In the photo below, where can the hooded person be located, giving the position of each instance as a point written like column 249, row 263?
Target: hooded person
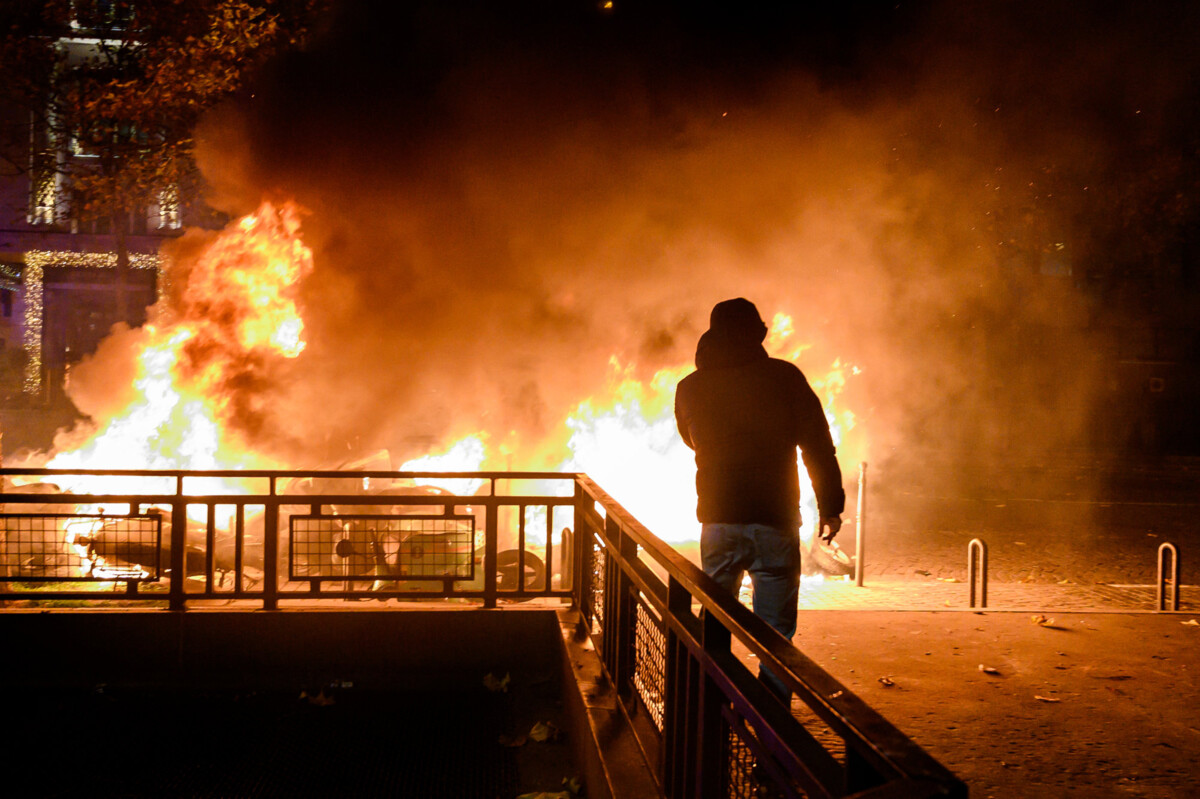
column 745, row 414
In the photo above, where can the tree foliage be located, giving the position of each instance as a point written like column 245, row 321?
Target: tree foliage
column 110, row 91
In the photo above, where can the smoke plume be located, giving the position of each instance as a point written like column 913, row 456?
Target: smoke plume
column 504, row 197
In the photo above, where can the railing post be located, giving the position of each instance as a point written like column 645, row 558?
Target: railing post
column 210, row 538
column 626, row 614
column 176, row 598
column 491, row 534
column 1163, row 550
column 271, row 549
column 619, row 608
column 711, row 735
column 678, row 702
column 860, row 526
column 977, row 550
column 581, row 554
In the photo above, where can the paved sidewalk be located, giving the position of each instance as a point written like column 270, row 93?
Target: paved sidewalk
column 933, row 594
column 1079, row 705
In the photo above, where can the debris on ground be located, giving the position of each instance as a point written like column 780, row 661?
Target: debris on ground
column 544, row 731
column 989, row 669
column 497, row 685
column 1045, row 698
column 320, row 699
column 886, row 682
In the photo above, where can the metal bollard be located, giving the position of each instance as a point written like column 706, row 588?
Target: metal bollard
column 1162, row 577
column 977, row 551
column 860, row 525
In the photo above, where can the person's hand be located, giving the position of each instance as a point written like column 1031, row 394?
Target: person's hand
column 829, row 527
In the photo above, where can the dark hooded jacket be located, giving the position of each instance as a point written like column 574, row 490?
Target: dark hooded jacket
column 745, row 414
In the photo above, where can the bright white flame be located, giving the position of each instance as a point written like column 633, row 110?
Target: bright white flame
column 465, row 455
column 628, row 443
column 631, row 447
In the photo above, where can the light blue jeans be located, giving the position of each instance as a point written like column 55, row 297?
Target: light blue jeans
column 772, row 557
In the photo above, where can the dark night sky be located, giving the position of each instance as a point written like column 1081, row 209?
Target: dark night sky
column 1053, row 61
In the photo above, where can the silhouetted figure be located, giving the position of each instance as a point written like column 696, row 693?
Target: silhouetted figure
column 745, row 414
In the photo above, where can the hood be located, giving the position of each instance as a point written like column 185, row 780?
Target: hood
column 738, row 319
column 717, row 350
column 734, row 337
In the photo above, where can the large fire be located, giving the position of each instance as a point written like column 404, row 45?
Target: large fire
column 627, row 441
column 233, row 308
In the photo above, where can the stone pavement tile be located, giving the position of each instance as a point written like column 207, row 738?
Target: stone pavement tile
column 1092, row 705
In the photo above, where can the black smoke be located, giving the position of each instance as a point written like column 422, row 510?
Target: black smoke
column 503, row 196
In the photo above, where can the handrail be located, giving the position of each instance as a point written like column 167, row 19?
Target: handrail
column 886, row 751
column 284, row 473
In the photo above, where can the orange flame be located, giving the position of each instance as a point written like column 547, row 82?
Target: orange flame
column 235, row 305
column 629, row 444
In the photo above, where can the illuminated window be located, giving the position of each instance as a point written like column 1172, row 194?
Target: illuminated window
column 101, row 15
column 168, row 208
column 42, row 199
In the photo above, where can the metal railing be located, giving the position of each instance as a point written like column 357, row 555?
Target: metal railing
column 669, row 638
column 272, row 536
column 672, row 643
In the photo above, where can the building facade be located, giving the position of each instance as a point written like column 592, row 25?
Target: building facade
column 60, row 289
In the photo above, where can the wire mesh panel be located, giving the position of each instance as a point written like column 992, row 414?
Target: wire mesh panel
column 650, row 657
column 740, row 782
column 71, row 547
column 746, row 771
column 598, row 563
column 370, row 547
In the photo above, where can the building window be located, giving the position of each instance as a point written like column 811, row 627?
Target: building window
column 42, row 199
column 168, row 208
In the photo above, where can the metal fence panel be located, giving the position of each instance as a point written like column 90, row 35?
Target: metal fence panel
column 370, row 547
column 80, row 547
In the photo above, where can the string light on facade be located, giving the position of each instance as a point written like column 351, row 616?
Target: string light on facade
column 33, row 326
column 36, row 263
column 89, row 260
